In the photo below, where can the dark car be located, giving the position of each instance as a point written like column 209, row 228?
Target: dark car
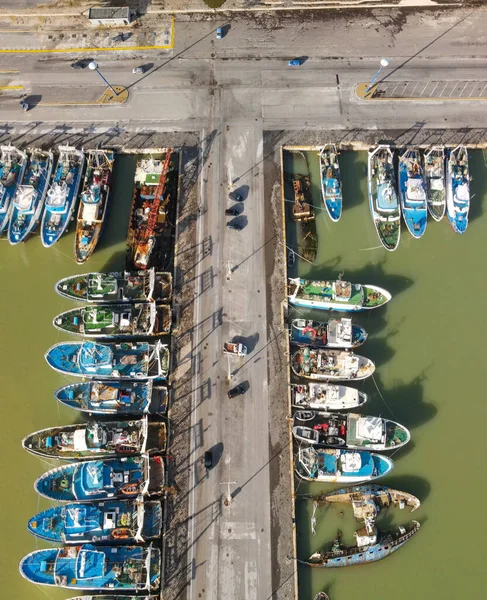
column 236, row 391
column 234, row 225
column 232, row 212
column 24, row 105
column 80, row 64
column 208, row 459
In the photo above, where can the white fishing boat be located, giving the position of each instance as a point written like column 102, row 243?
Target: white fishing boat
column 326, row 396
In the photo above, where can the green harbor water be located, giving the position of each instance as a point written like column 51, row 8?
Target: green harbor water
column 428, row 344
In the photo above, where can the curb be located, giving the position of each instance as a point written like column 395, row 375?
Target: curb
column 360, row 93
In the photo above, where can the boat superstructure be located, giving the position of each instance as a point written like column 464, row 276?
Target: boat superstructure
column 125, row 286
column 143, row 319
column 336, row 333
column 94, row 201
column 458, row 189
column 13, row 163
column 62, row 194
column 384, row 205
column 115, row 397
column 412, row 193
column 326, row 396
column 330, row 365
column 336, row 295
column 434, row 175
column 331, row 183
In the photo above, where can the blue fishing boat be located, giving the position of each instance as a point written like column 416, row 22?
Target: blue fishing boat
column 331, row 183
column 335, row 333
column 97, row 440
column 12, row 166
column 458, row 189
column 94, row 201
column 137, row 360
column 88, row 567
column 412, row 193
column 118, row 521
column 29, row 199
column 341, row 466
column 62, row 195
column 115, row 398
column 103, row 479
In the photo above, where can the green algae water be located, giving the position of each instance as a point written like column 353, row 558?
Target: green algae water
column 28, row 304
column 428, row 344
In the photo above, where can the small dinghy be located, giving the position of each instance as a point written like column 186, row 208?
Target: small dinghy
column 331, row 182
column 103, row 479
column 12, row 166
column 115, row 398
column 458, row 189
column 434, row 173
column 412, row 192
column 336, row 333
column 120, row 521
column 341, row 466
column 97, row 440
column 330, row 365
column 326, row 396
column 143, row 319
column 353, row 431
column 136, row 360
column 89, row 567
column 126, row 286
column 28, row 201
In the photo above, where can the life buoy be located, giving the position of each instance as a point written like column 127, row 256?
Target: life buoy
column 129, row 489
column 121, row 533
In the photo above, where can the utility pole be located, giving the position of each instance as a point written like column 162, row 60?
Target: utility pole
column 93, row 66
column 228, row 499
column 383, row 64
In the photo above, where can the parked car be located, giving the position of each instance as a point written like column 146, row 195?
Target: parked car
column 236, row 391
column 138, row 70
column 80, row 64
column 24, row 105
column 295, row 62
column 234, row 225
column 232, row 211
column 219, row 33
column 236, row 197
column 208, row 460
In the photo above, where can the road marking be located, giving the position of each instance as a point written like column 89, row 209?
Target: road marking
column 11, row 87
column 10, row 71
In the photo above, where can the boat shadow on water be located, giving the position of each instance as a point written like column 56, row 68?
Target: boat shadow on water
column 478, row 186
column 353, row 166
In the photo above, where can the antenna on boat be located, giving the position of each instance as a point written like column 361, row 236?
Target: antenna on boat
column 340, row 275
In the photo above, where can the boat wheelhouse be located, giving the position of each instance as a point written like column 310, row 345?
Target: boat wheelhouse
column 458, row 189
column 331, row 183
column 353, row 431
column 12, row 167
column 126, row 286
column 97, row 440
column 384, row 205
column 111, row 521
column 115, row 398
column 434, row 175
column 330, row 365
column 326, row 396
column 336, row 295
column 127, row 360
column 412, row 192
column 62, row 194
column 103, row 479
column 28, row 201
column 341, row 466
column 89, row 567
column 336, row 333
column 94, row 201
column 143, row 319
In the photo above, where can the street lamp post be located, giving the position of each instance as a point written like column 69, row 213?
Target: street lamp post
column 383, row 64
column 94, row 67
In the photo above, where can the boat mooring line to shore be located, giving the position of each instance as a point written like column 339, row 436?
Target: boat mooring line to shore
column 382, row 398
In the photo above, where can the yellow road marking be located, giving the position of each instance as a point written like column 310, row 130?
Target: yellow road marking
column 12, row 71
column 367, row 97
column 11, row 87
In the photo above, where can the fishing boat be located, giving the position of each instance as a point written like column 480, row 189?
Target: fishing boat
column 371, row 545
column 336, row 295
column 28, row 201
column 103, row 479
column 118, row 521
column 148, row 220
column 458, row 189
column 336, row 333
column 126, row 286
column 434, row 174
column 331, row 183
column 97, row 440
column 384, row 206
column 330, row 365
column 89, row 567
column 370, row 499
column 143, row 319
column 62, row 195
column 115, row 398
column 355, row 432
column 341, row 466
column 94, row 201
column 302, row 209
column 412, row 194
column 12, row 167
column 127, row 360
column 326, row 396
